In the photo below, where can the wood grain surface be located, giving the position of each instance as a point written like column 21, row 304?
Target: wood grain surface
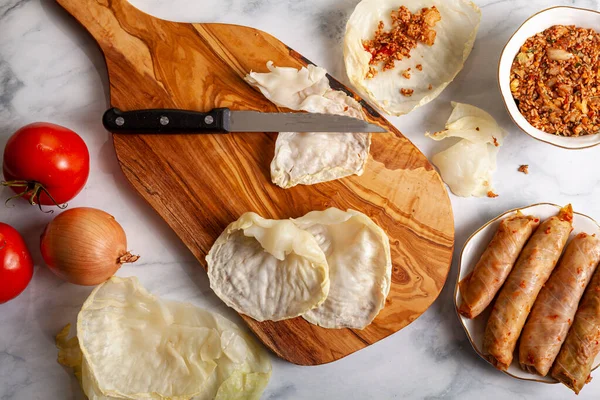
column 201, row 183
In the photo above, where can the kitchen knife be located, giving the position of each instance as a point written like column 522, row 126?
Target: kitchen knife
column 224, row 120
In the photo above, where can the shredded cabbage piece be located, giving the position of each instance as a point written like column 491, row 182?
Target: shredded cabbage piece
column 69, row 353
column 467, row 166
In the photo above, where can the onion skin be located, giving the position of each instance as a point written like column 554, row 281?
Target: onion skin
column 85, row 246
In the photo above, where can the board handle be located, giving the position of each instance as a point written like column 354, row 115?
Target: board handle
column 166, row 121
column 102, row 18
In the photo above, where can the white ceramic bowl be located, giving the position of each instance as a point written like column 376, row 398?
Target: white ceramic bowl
column 535, row 24
column 474, row 247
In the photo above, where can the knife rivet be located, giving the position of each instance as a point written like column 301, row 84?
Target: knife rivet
column 120, row 121
column 208, row 120
column 164, row 120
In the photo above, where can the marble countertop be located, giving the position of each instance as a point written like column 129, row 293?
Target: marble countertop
column 50, row 70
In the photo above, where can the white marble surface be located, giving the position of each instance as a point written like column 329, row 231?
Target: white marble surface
column 50, row 70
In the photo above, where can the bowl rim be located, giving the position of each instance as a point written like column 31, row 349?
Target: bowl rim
column 504, row 100
column 456, row 285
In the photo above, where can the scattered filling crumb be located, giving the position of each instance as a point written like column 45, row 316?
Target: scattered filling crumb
column 406, row 73
column 372, row 72
column 524, row 169
column 491, row 194
column 407, row 31
column 555, row 80
column 407, row 92
column 419, row 67
column 430, row 87
column 495, row 141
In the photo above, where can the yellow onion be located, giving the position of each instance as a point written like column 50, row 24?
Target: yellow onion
column 558, row 54
column 85, row 246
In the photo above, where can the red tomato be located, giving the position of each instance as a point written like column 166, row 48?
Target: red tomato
column 44, row 157
column 16, row 266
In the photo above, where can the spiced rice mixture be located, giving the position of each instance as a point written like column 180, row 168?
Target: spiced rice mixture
column 555, row 80
column 407, row 31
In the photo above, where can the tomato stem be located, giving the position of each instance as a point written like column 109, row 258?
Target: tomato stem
column 33, row 189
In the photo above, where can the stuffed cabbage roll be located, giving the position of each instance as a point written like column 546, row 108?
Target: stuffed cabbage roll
column 531, row 271
column 481, row 285
column 554, row 309
column 576, row 358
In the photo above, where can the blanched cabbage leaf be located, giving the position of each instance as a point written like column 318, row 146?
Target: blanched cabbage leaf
column 268, row 269
column 136, row 346
column 290, row 87
column 360, row 267
column 305, row 158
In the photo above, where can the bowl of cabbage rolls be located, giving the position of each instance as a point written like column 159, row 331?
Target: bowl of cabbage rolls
column 528, row 294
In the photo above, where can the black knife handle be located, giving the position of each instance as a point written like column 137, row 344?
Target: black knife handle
column 166, row 121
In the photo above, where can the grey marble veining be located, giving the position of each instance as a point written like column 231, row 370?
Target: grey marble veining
column 51, row 70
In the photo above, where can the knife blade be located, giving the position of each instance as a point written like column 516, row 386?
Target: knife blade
column 224, row 120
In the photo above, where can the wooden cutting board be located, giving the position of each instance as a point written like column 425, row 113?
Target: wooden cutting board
column 201, row 183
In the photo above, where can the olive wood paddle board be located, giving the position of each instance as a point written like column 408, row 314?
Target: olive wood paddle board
column 201, row 183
